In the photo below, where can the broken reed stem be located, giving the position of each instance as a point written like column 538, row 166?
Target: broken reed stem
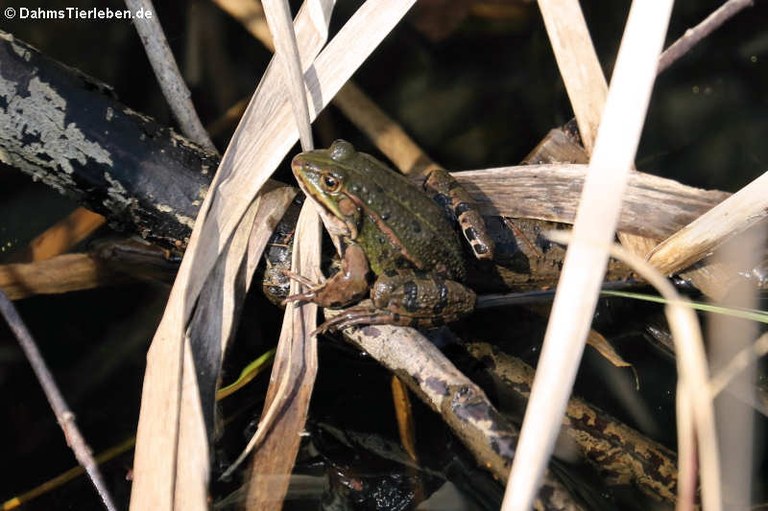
column 64, row 415
column 711, row 230
column 695, row 35
column 60, row 274
column 64, row 234
column 168, row 75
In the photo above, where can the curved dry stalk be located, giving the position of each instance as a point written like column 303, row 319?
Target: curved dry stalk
column 696, row 417
column 64, row 415
column 168, row 75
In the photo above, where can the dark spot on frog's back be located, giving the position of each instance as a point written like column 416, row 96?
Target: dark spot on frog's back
column 411, row 296
column 442, row 296
column 416, row 226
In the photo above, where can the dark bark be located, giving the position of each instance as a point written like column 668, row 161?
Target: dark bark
column 68, row 130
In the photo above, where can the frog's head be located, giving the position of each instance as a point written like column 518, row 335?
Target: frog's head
column 324, row 175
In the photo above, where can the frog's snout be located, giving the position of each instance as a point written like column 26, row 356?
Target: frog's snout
column 298, row 163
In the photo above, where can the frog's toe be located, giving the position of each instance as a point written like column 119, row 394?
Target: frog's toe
column 307, row 296
column 356, row 316
column 350, row 317
column 300, row 279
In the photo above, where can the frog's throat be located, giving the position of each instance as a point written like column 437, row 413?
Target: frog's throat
column 336, row 226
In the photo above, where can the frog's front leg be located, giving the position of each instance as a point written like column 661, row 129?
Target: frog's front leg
column 348, row 285
column 409, row 299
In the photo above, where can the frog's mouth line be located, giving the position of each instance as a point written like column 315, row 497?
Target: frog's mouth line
column 335, row 225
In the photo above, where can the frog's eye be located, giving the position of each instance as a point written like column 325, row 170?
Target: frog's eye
column 330, row 182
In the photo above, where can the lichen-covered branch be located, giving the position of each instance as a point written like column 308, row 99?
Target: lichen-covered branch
column 65, row 129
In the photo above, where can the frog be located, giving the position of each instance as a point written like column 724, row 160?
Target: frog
column 396, row 245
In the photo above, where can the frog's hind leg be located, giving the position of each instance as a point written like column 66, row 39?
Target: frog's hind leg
column 408, row 298
column 423, row 297
column 446, row 191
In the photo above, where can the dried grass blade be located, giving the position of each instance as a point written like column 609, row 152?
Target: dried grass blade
column 698, row 239
column 727, row 337
column 278, row 15
column 281, row 413
column 158, row 445
column 294, row 374
column 596, row 220
column 263, row 138
column 578, row 64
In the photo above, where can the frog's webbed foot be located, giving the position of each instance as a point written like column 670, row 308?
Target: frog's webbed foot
column 346, row 286
column 301, row 279
column 306, row 296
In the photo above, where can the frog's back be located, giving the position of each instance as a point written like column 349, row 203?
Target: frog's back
column 396, row 208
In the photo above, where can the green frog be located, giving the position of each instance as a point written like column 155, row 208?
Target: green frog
column 395, row 243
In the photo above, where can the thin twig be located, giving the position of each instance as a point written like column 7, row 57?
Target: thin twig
column 64, row 415
column 168, row 75
column 694, row 36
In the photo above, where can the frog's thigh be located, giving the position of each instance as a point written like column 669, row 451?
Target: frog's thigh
column 422, row 296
